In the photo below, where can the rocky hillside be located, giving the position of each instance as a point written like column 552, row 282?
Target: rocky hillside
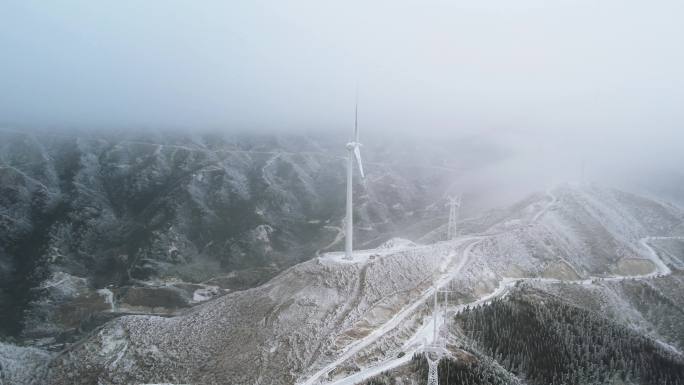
column 94, row 225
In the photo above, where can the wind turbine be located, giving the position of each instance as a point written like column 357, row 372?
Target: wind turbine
column 353, row 148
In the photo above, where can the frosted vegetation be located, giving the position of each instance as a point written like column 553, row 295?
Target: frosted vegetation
column 208, row 259
column 325, row 320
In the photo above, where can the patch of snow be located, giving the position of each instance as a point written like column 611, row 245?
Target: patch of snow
column 397, row 243
column 65, row 284
column 109, row 297
column 204, row 294
column 262, row 233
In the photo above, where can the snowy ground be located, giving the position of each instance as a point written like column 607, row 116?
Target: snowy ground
column 362, row 256
column 399, row 317
column 332, row 320
column 423, row 336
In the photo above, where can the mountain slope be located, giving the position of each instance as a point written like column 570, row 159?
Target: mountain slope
column 328, row 319
column 145, row 212
column 551, row 333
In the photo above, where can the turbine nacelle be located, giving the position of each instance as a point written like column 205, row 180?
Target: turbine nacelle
column 355, row 148
column 351, row 145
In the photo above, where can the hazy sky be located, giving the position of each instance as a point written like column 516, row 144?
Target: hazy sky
column 545, row 75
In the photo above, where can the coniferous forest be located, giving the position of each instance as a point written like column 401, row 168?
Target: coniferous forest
column 534, row 338
column 546, row 341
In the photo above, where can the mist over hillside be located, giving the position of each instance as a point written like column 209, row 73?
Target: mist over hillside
column 122, row 209
column 100, row 225
column 341, row 193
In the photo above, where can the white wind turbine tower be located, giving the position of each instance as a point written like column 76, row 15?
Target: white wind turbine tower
column 353, row 148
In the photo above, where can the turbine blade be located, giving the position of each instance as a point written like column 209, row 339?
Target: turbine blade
column 356, row 121
column 357, row 155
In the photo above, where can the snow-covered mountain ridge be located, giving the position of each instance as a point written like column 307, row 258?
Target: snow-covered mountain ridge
column 153, row 222
column 326, row 320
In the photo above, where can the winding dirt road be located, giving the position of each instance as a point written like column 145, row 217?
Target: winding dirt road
column 411, row 347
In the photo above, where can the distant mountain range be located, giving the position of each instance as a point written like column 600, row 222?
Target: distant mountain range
column 146, row 215
column 207, row 259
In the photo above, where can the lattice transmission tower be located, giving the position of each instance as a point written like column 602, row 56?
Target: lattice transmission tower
column 437, row 347
column 454, row 204
column 433, row 378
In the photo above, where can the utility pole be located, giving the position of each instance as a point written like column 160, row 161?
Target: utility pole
column 454, row 204
column 433, row 373
column 434, row 318
column 437, row 349
column 445, row 324
column 433, row 364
